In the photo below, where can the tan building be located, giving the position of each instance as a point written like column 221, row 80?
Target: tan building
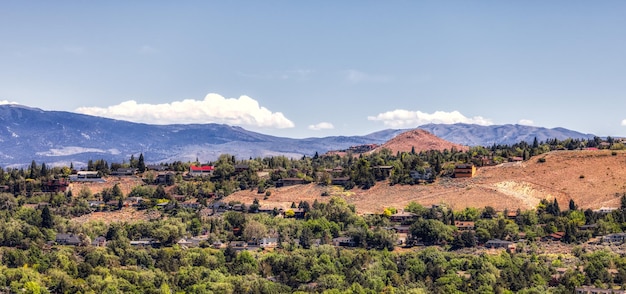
column 464, row 171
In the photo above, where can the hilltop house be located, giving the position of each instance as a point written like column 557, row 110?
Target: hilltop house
column 55, row 186
column 464, row 225
column 403, row 217
column 497, row 243
column 86, row 176
column 340, row 181
column 290, row 182
column 201, row 171
column 67, row 239
column 464, row 171
column 124, row 171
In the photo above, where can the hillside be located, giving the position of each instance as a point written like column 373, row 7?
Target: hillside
column 419, row 140
column 591, row 178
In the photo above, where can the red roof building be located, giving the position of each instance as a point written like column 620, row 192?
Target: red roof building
column 204, row 170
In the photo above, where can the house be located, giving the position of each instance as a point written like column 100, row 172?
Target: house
column 605, row 210
column 555, row 236
column 464, row 225
column 425, row 175
column 218, row 244
column 133, row 201
column 403, row 217
column 241, row 167
column 268, row 242
column 497, row 243
column 190, row 204
column 124, row 171
column 145, row 242
column 99, row 241
column 511, row 214
column 265, row 209
column 594, row 290
column 614, row 238
column 165, row 179
column 67, row 239
column 157, row 167
column 201, row 171
column 464, row 170
column 192, row 242
column 95, row 205
column 383, row 169
column 290, row 182
column 299, row 213
column 86, row 176
column 55, row 186
column 340, row 181
column 238, row 245
column 402, row 229
column 344, row 242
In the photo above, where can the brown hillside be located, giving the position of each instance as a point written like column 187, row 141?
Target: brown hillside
column 590, row 178
column 421, row 140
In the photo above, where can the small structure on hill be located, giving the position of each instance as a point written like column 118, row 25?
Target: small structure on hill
column 290, row 182
column 464, row 170
column 201, row 171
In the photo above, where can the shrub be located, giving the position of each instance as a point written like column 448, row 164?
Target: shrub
column 541, row 160
column 614, row 153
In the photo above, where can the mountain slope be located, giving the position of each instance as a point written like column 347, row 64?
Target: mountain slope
column 476, row 135
column 57, row 137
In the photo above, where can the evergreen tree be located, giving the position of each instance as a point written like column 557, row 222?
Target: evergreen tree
column 44, row 170
column 46, row 218
column 33, row 171
column 140, row 164
column 117, row 192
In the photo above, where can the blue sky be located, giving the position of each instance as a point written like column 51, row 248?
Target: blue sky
column 321, row 68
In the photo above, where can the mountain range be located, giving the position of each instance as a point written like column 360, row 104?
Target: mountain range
column 59, row 137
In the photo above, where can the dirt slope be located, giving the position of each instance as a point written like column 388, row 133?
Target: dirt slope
column 591, row 178
column 421, row 140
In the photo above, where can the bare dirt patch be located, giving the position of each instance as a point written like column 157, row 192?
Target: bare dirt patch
column 126, row 214
column 125, row 183
column 591, row 178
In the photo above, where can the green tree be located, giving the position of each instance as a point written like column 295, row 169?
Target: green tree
column 46, row 218
column 141, row 165
column 116, row 191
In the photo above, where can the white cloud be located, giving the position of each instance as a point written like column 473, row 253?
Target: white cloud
column 243, row 111
column 322, row 126
column 624, row 122
column 355, row 76
column 400, row 118
column 526, row 122
column 3, row 102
